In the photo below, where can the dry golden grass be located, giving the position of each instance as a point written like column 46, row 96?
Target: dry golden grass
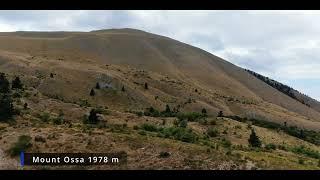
column 177, row 74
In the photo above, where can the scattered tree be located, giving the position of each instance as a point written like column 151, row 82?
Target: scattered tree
column 51, row 75
column 146, row 86
column 183, row 123
column 92, row 93
column 285, row 124
column 16, row 83
column 4, row 84
column 196, row 90
column 93, row 118
column 25, row 106
column 122, row 89
column 204, row 111
column 254, row 140
column 6, row 110
column 98, row 85
column 220, row 114
column 168, row 110
column 301, row 134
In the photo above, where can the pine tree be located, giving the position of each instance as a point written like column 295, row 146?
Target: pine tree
column 168, row 110
column 93, row 118
column 4, row 84
column 92, row 93
column 204, row 111
column 25, row 106
column 97, row 85
column 6, row 110
column 146, row 86
column 16, row 83
column 254, row 140
column 301, row 134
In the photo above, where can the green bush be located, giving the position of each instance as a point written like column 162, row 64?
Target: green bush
column 23, row 143
column 119, row 128
column 271, row 146
column 191, row 117
column 164, row 154
column 149, row 127
column 301, row 161
column 212, row 132
column 84, row 103
column 203, row 121
column 59, row 120
column 183, row 123
column 16, row 95
column 226, row 143
column 143, row 133
column 152, row 112
column 282, row 147
column 85, row 119
column 306, row 151
column 213, row 122
column 178, row 133
column 44, row 117
column 139, row 113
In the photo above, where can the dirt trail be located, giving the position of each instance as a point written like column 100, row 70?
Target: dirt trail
column 7, row 163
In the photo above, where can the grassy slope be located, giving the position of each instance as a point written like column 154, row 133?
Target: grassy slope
column 80, row 60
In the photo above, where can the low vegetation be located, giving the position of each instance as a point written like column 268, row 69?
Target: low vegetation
column 23, row 143
column 177, row 133
column 306, row 151
column 307, row 135
column 211, row 132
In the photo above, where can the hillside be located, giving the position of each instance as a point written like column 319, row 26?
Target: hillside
column 289, row 91
column 135, row 70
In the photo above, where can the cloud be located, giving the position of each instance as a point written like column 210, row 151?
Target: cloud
column 284, row 45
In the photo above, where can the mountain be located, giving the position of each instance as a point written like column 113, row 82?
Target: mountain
column 59, row 69
column 217, row 78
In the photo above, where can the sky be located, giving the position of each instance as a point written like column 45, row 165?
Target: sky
column 283, row 45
